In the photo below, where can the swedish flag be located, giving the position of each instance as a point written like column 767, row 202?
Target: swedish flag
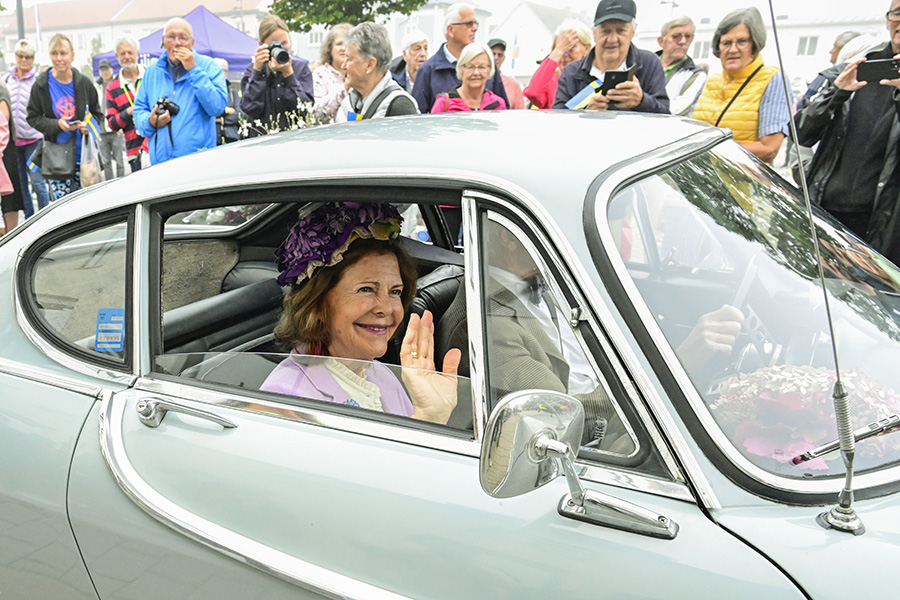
column 92, row 127
column 30, row 164
column 581, row 99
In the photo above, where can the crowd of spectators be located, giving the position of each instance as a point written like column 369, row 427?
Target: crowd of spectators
column 183, row 102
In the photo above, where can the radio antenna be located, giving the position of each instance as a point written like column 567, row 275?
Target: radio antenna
column 841, row 517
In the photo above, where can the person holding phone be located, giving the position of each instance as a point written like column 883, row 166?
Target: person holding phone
column 854, row 118
column 642, row 86
column 60, row 100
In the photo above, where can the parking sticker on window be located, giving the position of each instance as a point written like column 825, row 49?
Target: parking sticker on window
column 110, row 330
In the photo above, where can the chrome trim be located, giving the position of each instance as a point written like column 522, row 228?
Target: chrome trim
column 140, row 282
column 643, row 387
column 406, row 177
column 676, row 490
column 556, row 290
column 312, row 416
column 609, row 511
column 151, row 411
column 645, row 167
column 49, row 349
column 241, row 548
column 472, row 281
column 39, row 375
column 607, row 474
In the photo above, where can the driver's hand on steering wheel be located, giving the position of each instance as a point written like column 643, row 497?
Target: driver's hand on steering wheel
column 715, row 333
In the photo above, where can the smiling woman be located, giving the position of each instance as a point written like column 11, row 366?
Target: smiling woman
column 351, row 285
column 746, row 96
column 474, row 67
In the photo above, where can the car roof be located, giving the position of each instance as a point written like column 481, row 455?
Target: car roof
column 544, row 152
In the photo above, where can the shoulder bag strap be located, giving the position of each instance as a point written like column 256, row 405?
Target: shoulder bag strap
column 378, row 100
column 733, row 98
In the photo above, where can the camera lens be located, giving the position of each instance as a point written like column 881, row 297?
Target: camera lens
column 278, row 53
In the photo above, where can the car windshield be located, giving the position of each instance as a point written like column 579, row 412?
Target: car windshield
column 718, row 231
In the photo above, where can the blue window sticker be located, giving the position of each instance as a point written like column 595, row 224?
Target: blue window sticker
column 110, row 330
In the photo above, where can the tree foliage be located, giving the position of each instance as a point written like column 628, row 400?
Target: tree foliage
column 301, row 15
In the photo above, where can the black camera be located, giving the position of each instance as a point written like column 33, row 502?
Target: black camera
column 164, row 104
column 279, row 53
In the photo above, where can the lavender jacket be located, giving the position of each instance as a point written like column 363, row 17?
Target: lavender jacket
column 20, row 92
column 316, row 383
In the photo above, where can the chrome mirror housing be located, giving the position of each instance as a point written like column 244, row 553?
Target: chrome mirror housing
column 530, row 437
column 524, row 434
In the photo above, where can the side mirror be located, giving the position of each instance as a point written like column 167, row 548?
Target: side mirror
column 530, row 438
column 524, row 433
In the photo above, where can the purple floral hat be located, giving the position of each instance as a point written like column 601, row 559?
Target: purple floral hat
column 320, row 238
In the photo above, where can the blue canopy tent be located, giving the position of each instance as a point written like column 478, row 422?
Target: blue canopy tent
column 212, row 37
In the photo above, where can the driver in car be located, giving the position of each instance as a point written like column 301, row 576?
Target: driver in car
column 533, row 346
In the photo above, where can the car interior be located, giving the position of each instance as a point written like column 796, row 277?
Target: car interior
column 218, row 294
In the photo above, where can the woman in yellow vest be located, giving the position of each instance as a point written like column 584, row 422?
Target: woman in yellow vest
column 746, row 96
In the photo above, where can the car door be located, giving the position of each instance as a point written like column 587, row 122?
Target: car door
column 217, row 489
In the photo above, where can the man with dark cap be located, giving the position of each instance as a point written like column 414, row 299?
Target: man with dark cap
column 512, row 87
column 613, row 51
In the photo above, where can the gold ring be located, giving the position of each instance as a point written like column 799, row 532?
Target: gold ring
column 414, row 354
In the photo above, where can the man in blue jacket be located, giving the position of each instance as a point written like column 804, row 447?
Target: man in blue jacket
column 194, row 83
column 438, row 74
column 613, row 51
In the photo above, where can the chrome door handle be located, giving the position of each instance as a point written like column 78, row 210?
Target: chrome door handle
column 152, row 410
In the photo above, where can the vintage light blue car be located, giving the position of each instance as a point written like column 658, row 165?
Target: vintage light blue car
column 139, row 458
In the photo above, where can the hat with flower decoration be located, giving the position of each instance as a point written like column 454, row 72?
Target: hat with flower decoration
column 320, row 238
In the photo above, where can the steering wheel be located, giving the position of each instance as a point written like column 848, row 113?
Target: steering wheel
column 755, row 342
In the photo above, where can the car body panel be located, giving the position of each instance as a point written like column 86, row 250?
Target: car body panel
column 334, row 504
column 131, row 555
column 39, row 556
column 803, row 547
column 288, row 486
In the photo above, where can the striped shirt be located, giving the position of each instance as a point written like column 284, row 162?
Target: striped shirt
column 118, row 99
column 774, row 111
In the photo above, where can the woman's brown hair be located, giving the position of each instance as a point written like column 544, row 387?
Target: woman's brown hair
column 304, row 317
column 328, row 44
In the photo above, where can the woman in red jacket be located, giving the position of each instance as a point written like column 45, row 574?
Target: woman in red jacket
column 572, row 41
column 474, row 67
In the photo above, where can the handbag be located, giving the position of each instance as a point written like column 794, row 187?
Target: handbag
column 58, row 160
column 90, row 161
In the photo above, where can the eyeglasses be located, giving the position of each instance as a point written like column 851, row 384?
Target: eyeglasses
column 181, row 38
column 23, row 57
column 742, row 44
column 467, row 24
column 483, row 68
column 893, row 15
column 682, row 36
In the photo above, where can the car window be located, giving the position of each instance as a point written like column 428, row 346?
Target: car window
column 741, row 263
column 219, row 305
column 78, row 290
column 223, row 216
column 530, row 343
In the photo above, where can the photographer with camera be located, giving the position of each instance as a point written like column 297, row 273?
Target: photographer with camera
column 275, row 82
column 179, row 98
column 855, row 118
